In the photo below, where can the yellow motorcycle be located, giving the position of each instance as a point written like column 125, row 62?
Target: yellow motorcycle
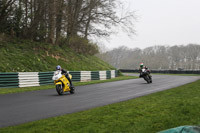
column 62, row 83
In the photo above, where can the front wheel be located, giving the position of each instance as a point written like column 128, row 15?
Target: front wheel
column 147, row 79
column 151, row 80
column 59, row 89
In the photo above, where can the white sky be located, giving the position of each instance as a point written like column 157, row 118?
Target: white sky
column 161, row 22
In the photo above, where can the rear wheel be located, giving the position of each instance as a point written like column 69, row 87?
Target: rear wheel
column 72, row 90
column 59, row 89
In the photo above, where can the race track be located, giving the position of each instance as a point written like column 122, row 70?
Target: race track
column 30, row 106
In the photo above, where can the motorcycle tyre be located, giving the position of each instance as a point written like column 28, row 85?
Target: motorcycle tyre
column 147, row 79
column 150, row 79
column 59, row 89
column 72, row 90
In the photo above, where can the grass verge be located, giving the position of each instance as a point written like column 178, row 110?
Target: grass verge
column 147, row 114
column 24, row 89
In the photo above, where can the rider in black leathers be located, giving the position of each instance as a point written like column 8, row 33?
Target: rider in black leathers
column 145, row 67
column 66, row 74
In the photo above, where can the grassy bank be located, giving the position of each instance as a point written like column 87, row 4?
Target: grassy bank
column 18, row 55
column 44, row 87
column 147, row 114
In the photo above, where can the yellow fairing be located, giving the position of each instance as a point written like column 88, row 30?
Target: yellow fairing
column 58, row 83
column 63, row 80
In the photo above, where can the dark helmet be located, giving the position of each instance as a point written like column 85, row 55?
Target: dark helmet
column 58, row 67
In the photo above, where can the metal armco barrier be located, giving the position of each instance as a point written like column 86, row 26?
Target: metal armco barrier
column 164, row 71
column 45, row 78
column 9, row 80
column 27, row 79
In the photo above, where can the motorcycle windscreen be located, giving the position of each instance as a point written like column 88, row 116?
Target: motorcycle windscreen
column 143, row 70
column 57, row 75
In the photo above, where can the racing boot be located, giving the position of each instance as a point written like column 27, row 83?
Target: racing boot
column 71, row 85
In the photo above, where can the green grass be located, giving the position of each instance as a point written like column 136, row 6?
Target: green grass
column 18, row 55
column 147, row 114
column 44, row 87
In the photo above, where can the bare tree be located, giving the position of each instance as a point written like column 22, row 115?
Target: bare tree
column 59, row 21
column 52, row 21
column 156, row 57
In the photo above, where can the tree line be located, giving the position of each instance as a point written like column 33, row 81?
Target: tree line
column 156, row 57
column 59, row 21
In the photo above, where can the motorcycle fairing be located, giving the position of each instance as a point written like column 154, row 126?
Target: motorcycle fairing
column 63, row 81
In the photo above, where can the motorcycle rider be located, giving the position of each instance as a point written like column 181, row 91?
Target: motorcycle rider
column 58, row 67
column 145, row 67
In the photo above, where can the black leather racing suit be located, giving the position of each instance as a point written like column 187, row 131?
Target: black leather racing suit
column 148, row 71
column 67, row 76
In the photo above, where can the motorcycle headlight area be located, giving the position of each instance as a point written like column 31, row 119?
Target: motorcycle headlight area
column 56, row 73
column 55, row 77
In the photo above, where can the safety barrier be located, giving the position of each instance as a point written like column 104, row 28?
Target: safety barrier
column 164, row 71
column 27, row 79
column 9, row 80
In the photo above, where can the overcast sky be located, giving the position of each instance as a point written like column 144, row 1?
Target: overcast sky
column 161, row 22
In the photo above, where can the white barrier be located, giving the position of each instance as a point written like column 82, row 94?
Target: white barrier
column 85, row 76
column 27, row 79
column 102, row 75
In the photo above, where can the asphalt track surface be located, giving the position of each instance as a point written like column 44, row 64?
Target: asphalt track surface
column 24, row 107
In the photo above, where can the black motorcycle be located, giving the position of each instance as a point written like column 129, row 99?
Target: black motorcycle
column 145, row 75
